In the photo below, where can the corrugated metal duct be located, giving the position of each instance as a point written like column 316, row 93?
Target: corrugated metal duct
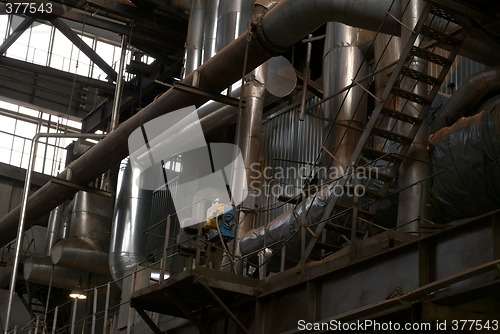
column 282, row 27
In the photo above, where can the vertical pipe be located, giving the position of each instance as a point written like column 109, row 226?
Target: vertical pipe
column 94, row 311
column 73, row 315
column 248, row 137
column 387, row 49
column 194, row 39
column 53, row 228
column 411, row 207
column 210, row 29
column 343, row 61
column 115, row 114
column 306, row 79
column 54, row 321
column 106, row 309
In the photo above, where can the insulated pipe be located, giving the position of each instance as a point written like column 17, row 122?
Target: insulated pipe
column 39, row 269
column 54, row 228
column 466, row 98
column 130, row 218
column 277, row 31
column 248, row 137
column 210, row 29
column 343, row 61
column 194, row 39
column 232, row 21
column 86, row 248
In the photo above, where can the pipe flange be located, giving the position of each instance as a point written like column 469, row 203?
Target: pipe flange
column 267, row 4
column 263, row 41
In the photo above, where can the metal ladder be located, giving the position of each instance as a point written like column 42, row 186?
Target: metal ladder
column 424, row 46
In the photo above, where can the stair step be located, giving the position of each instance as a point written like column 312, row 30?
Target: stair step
column 391, row 136
column 369, row 152
column 432, row 57
column 442, row 13
column 423, row 100
column 400, row 116
column 341, row 229
column 327, row 247
column 440, row 37
column 430, row 80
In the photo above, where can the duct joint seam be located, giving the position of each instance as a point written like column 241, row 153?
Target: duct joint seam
column 263, row 41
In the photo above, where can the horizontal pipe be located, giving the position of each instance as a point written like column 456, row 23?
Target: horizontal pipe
column 466, row 98
column 82, row 254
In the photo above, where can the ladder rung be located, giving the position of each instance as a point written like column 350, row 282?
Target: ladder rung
column 391, row 136
column 439, row 36
column 376, row 154
column 409, row 72
column 410, row 96
column 400, row 116
column 382, row 177
column 432, row 57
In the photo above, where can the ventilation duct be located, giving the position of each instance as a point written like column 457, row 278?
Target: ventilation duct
column 86, row 248
column 470, row 152
column 194, row 39
column 39, row 269
column 130, row 218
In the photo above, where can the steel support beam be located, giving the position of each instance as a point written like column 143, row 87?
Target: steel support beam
column 224, row 306
column 148, row 321
column 16, row 34
column 87, row 50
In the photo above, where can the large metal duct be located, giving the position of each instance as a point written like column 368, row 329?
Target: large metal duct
column 194, row 39
column 130, row 219
column 232, row 21
column 283, row 26
column 40, row 269
column 209, row 37
column 469, row 150
column 342, row 62
column 86, row 248
column 471, row 93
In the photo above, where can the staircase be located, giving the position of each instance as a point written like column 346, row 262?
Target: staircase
column 427, row 44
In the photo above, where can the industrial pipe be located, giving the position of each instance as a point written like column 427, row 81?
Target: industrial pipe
column 465, row 100
column 86, row 248
column 194, row 39
column 130, row 218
